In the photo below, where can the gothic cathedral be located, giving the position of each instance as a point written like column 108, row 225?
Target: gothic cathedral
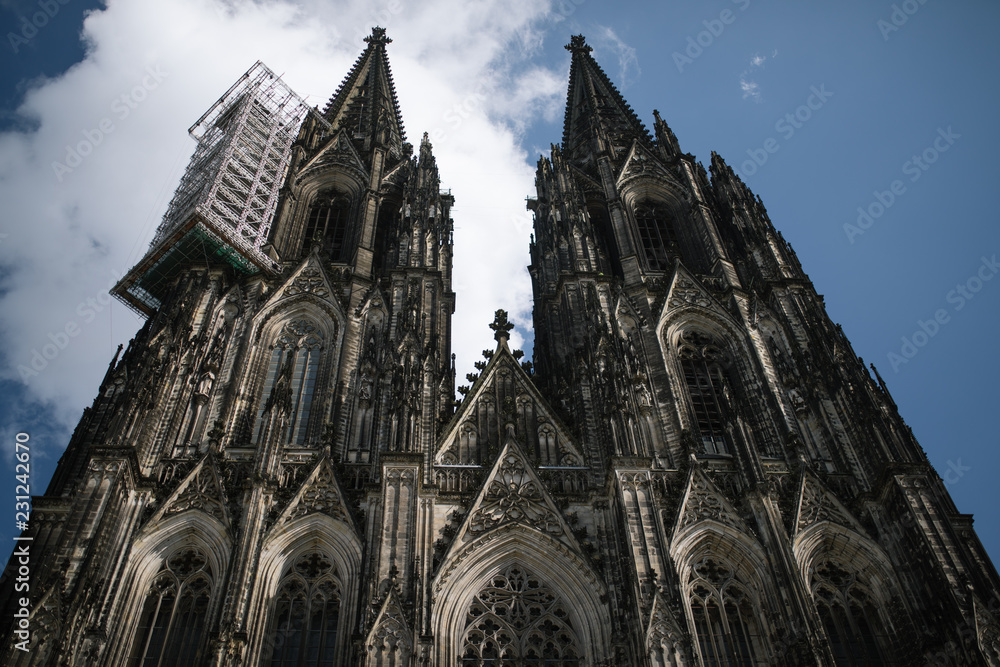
column 695, row 469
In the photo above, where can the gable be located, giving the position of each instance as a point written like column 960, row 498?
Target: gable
column 642, row 165
column 201, row 490
column 390, row 631
column 703, row 501
column 686, row 291
column 513, row 495
column 320, row 492
column 339, row 153
column 817, row 503
column 505, row 394
column 308, row 282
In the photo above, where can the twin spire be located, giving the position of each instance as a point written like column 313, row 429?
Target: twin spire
column 365, row 104
column 597, row 116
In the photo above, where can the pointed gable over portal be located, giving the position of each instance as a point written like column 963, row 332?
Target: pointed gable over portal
column 200, row 490
column 320, row 492
column 817, row 503
column 513, row 494
column 703, row 501
column 340, row 153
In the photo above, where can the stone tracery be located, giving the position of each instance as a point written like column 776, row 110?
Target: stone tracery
column 514, row 496
column 517, row 620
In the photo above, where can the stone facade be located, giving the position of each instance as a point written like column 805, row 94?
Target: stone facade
column 696, row 469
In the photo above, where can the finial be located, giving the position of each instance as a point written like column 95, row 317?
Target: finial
column 578, row 44
column 501, row 326
column 378, row 37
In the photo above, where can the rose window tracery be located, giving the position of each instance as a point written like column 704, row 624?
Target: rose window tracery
column 518, row 621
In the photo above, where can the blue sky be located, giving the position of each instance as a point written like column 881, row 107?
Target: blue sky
column 902, row 125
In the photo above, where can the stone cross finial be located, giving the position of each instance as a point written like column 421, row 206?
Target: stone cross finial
column 578, row 44
column 378, row 37
column 501, row 327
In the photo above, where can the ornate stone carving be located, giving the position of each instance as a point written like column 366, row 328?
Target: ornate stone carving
column 200, row 491
column 99, row 469
column 703, row 501
column 320, row 494
column 501, row 327
column 664, row 637
column 514, row 496
column 309, row 281
column 817, row 504
column 686, row 292
column 517, row 616
column 389, row 641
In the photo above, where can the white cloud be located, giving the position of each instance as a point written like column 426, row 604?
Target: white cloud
column 532, row 93
column 750, row 89
column 757, row 61
column 70, row 234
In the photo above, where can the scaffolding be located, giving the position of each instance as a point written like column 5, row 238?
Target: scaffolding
column 223, row 207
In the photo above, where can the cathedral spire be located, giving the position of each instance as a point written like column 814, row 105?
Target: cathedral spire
column 598, row 119
column 365, row 104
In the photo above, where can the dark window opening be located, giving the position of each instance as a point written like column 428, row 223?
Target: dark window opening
column 708, row 389
column 327, row 225
column 656, row 235
column 306, row 614
column 175, row 613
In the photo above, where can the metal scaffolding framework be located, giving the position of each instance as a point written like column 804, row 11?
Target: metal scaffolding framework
column 223, row 207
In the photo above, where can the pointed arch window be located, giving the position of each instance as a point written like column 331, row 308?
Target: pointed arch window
column 601, row 220
column 656, row 234
column 327, row 224
column 703, row 364
column 849, row 617
column 306, row 614
column 290, row 382
column 517, row 620
column 175, row 612
column 724, row 617
column 548, row 445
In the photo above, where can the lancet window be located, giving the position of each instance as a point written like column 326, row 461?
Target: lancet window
column 704, row 365
column 327, row 224
column 175, row 612
column 304, row 622
column 517, row 620
column 724, row 617
column 849, row 617
column 656, row 234
column 548, row 445
column 290, row 382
